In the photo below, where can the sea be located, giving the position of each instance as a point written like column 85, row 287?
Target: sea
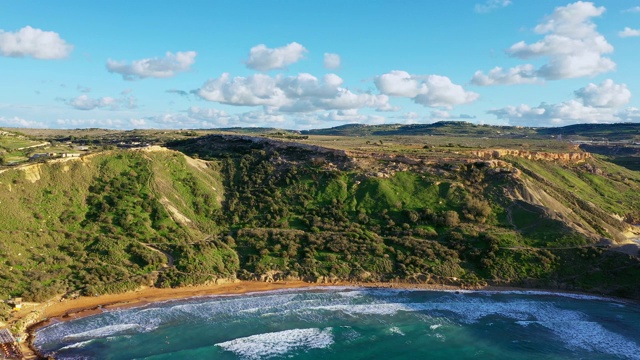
column 356, row 323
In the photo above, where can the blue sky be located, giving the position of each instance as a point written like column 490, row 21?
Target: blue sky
column 316, row 64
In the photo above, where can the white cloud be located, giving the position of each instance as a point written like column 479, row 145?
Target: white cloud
column 84, row 102
column 607, row 94
column 158, row 67
column 593, row 104
column 566, row 113
column 427, row 90
column 254, row 90
column 301, row 93
column 20, row 122
column 629, row 32
column 521, row 74
column 572, row 45
column 35, row 43
column 196, row 117
column 331, row 61
column 206, row 114
column 263, row 58
column 635, row 9
column 491, row 5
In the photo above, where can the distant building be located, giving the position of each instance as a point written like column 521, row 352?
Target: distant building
column 16, row 303
column 66, row 155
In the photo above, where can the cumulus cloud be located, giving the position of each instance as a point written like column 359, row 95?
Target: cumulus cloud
column 566, row 113
column 84, row 102
column 158, row 67
column 572, row 45
column 607, row 94
column 262, row 58
column 635, row 9
column 35, row 43
column 521, row 74
column 491, row 5
column 20, row 122
column 301, row 93
column 629, row 32
column 206, row 114
column 331, row 61
column 197, row 117
column 593, row 104
column 427, row 90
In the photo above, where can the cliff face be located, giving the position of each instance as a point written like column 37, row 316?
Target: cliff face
column 574, row 157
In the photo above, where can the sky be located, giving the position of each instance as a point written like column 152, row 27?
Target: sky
column 316, row 64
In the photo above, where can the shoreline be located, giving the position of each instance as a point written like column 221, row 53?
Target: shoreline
column 67, row 310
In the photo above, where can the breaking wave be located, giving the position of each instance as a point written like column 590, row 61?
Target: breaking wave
column 268, row 345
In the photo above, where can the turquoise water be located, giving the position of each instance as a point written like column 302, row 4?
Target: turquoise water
column 353, row 323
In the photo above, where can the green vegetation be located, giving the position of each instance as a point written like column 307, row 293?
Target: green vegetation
column 272, row 210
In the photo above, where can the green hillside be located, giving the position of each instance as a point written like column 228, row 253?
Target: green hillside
column 236, row 207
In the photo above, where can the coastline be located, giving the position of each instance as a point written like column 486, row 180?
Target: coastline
column 67, row 310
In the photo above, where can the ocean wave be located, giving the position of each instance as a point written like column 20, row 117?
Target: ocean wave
column 272, row 344
column 546, row 293
column 590, row 336
column 77, row 345
column 103, row 332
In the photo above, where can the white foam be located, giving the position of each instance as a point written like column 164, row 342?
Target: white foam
column 396, row 330
column 102, row 332
column 434, row 327
column 77, row 345
column 268, row 345
column 591, row 336
column 545, row 293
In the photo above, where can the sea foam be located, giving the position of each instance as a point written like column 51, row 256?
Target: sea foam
column 272, row 344
column 102, row 332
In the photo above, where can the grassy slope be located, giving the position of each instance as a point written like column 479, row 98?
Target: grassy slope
column 83, row 223
column 253, row 212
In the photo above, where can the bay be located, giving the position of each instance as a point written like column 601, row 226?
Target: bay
column 356, row 323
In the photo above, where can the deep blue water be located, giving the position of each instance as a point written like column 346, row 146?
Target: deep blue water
column 354, row 323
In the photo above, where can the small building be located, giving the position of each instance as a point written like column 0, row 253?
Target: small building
column 16, row 303
column 67, row 155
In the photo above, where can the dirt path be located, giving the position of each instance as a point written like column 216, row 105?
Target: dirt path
column 170, row 258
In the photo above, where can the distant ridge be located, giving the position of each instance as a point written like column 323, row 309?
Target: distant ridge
column 617, row 131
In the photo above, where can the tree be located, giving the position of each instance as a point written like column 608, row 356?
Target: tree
column 451, row 218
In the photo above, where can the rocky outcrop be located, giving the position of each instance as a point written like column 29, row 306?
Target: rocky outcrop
column 574, row 157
